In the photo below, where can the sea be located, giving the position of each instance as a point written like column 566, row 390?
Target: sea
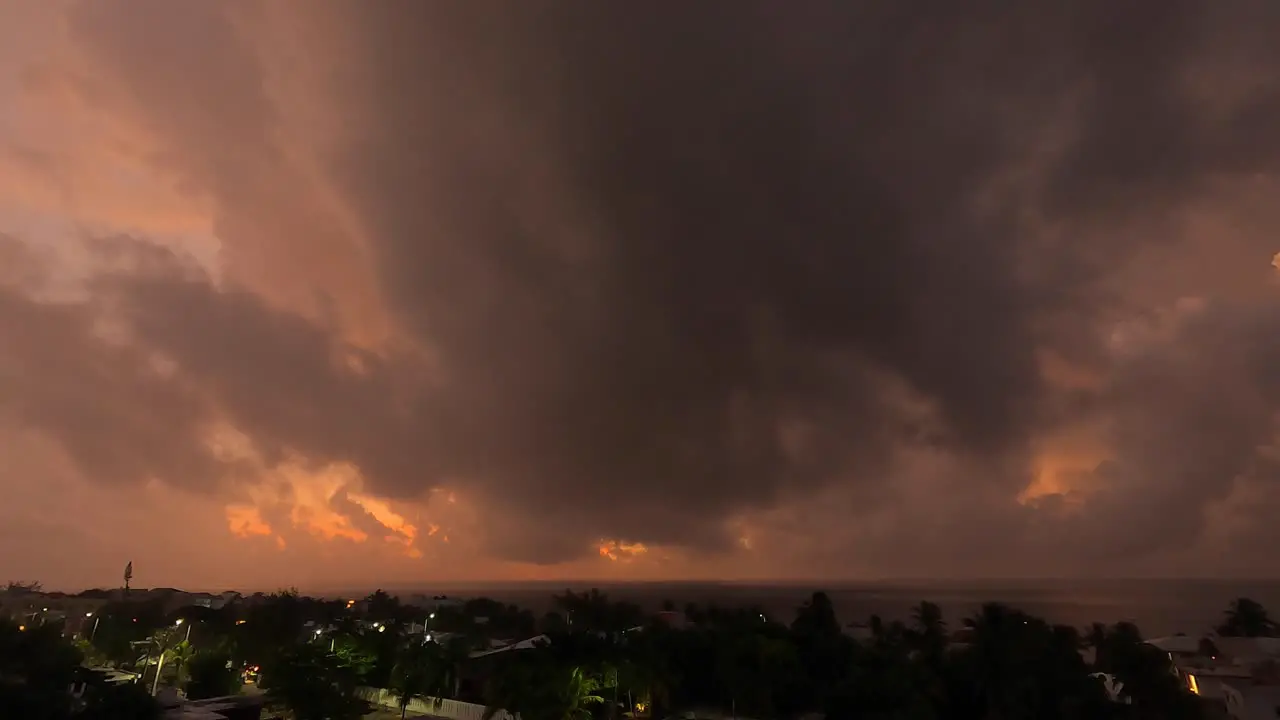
column 1157, row 607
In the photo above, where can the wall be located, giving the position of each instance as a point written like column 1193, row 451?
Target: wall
column 448, row 709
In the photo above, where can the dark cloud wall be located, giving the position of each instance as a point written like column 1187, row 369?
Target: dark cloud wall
column 672, row 267
column 752, row 206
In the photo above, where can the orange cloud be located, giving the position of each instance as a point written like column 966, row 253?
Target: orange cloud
column 402, row 532
column 621, row 550
column 1064, row 469
column 312, row 499
column 246, row 521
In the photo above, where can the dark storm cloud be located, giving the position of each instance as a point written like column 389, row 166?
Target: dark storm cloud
column 667, row 260
column 634, row 234
column 1186, row 417
column 287, row 383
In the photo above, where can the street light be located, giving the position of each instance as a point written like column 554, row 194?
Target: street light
column 155, row 685
column 93, row 632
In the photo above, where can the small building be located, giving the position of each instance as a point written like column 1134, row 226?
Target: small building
column 1247, row 701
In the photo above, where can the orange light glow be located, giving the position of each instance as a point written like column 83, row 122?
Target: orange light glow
column 1064, row 467
column 402, row 531
column 246, row 521
column 621, row 550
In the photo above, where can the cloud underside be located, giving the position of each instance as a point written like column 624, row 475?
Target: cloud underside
column 838, row 289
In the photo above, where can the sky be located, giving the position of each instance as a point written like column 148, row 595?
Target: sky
column 331, row 293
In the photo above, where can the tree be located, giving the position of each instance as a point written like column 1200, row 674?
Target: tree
column 18, row 587
column 275, row 623
column 1021, row 666
column 314, row 685
column 36, row 668
column 816, row 617
column 592, row 611
column 1247, row 618
column 645, row 670
column 929, row 631
column 180, row 656
column 1146, row 674
column 538, row 686
column 382, row 606
column 420, row 673
column 163, row 646
column 212, row 674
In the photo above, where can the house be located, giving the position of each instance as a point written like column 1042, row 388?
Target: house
column 497, row 646
column 1210, row 664
column 1248, row 701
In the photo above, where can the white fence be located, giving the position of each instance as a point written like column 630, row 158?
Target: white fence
column 437, row 707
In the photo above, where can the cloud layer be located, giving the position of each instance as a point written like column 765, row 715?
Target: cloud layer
column 841, row 290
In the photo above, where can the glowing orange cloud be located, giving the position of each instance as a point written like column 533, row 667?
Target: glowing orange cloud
column 402, row 532
column 246, row 521
column 1060, row 470
column 621, row 550
column 311, row 497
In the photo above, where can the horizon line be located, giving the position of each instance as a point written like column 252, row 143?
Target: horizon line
column 811, row 584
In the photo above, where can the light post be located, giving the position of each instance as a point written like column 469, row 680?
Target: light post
column 155, row 685
column 96, row 619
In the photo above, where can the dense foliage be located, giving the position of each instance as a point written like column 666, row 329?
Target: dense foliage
column 603, row 659
column 212, row 674
column 41, row 678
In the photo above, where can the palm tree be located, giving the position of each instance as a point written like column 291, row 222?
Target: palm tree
column 1247, row 618
column 999, row 660
column 929, row 628
column 161, row 646
column 579, row 694
column 537, row 687
column 180, row 655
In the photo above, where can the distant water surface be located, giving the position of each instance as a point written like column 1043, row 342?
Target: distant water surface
column 1159, row 607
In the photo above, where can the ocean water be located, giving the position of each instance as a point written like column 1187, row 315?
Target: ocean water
column 1158, row 607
